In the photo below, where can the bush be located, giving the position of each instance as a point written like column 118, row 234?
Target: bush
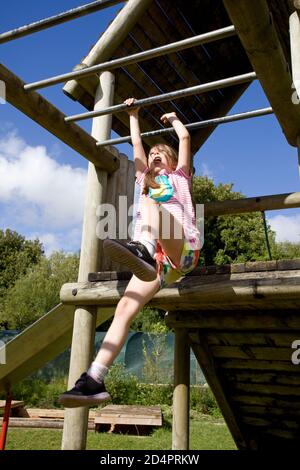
column 202, row 399
column 123, row 387
column 37, row 393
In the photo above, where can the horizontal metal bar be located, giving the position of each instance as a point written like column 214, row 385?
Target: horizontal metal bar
column 198, row 89
column 56, row 19
column 134, row 58
column 194, row 125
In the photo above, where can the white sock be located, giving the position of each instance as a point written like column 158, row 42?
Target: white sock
column 97, row 371
column 150, row 244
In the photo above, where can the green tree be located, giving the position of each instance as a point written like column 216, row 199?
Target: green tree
column 287, row 250
column 16, row 255
column 230, row 239
column 37, row 291
column 149, row 319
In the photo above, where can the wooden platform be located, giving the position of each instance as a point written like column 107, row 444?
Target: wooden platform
column 264, row 285
column 127, row 415
column 246, row 359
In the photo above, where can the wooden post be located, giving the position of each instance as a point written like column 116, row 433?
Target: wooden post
column 180, row 432
column 76, row 420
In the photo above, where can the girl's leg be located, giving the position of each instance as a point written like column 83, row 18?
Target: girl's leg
column 89, row 389
column 159, row 224
column 136, row 295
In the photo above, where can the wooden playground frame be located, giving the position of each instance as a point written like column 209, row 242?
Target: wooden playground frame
column 110, row 174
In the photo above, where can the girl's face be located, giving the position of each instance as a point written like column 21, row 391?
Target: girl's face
column 159, row 160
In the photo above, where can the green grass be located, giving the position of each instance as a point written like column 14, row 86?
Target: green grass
column 206, row 433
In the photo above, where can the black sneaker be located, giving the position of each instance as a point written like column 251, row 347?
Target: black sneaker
column 87, row 392
column 134, row 255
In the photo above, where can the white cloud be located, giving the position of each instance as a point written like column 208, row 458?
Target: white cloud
column 39, row 195
column 287, row 228
column 68, row 241
column 206, row 171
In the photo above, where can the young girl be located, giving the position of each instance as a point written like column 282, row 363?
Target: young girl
column 165, row 246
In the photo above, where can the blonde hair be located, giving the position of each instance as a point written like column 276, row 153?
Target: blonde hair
column 172, row 157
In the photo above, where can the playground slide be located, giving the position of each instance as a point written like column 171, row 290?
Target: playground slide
column 39, row 343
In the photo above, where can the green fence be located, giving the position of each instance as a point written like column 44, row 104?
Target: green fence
column 148, row 356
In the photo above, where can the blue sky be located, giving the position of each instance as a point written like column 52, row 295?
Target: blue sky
column 42, row 181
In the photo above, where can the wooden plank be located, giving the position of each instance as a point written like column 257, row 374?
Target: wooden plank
column 252, row 352
column 250, row 410
column 258, row 365
column 251, row 290
column 206, row 361
column 264, row 378
column 252, row 338
column 129, row 420
column 129, row 410
column 284, row 434
column 257, row 266
column 267, row 400
column 206, row 63
column 288, row 264
column 269, row 422
column 128, row 414
column 110, row 276
column 239, row 320
column 53, row 413
column 268, row 389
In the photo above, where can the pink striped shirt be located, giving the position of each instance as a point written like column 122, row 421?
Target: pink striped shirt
column 179, row 205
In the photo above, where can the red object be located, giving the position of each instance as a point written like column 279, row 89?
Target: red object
column 5, row 421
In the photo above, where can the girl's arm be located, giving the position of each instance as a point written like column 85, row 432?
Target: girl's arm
column 140, row 159
column 184, row 151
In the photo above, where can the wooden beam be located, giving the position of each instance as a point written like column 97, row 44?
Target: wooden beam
column 247, row 290
column 258, row 35
column 41, row 342
column 109, row 42
column 256, row 320
column 52, row 119
column 252, row 204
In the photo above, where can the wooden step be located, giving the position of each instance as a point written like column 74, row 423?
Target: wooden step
column 14, row 404
column 129, row 415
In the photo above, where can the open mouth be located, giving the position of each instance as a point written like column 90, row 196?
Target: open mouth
column 157, row 160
